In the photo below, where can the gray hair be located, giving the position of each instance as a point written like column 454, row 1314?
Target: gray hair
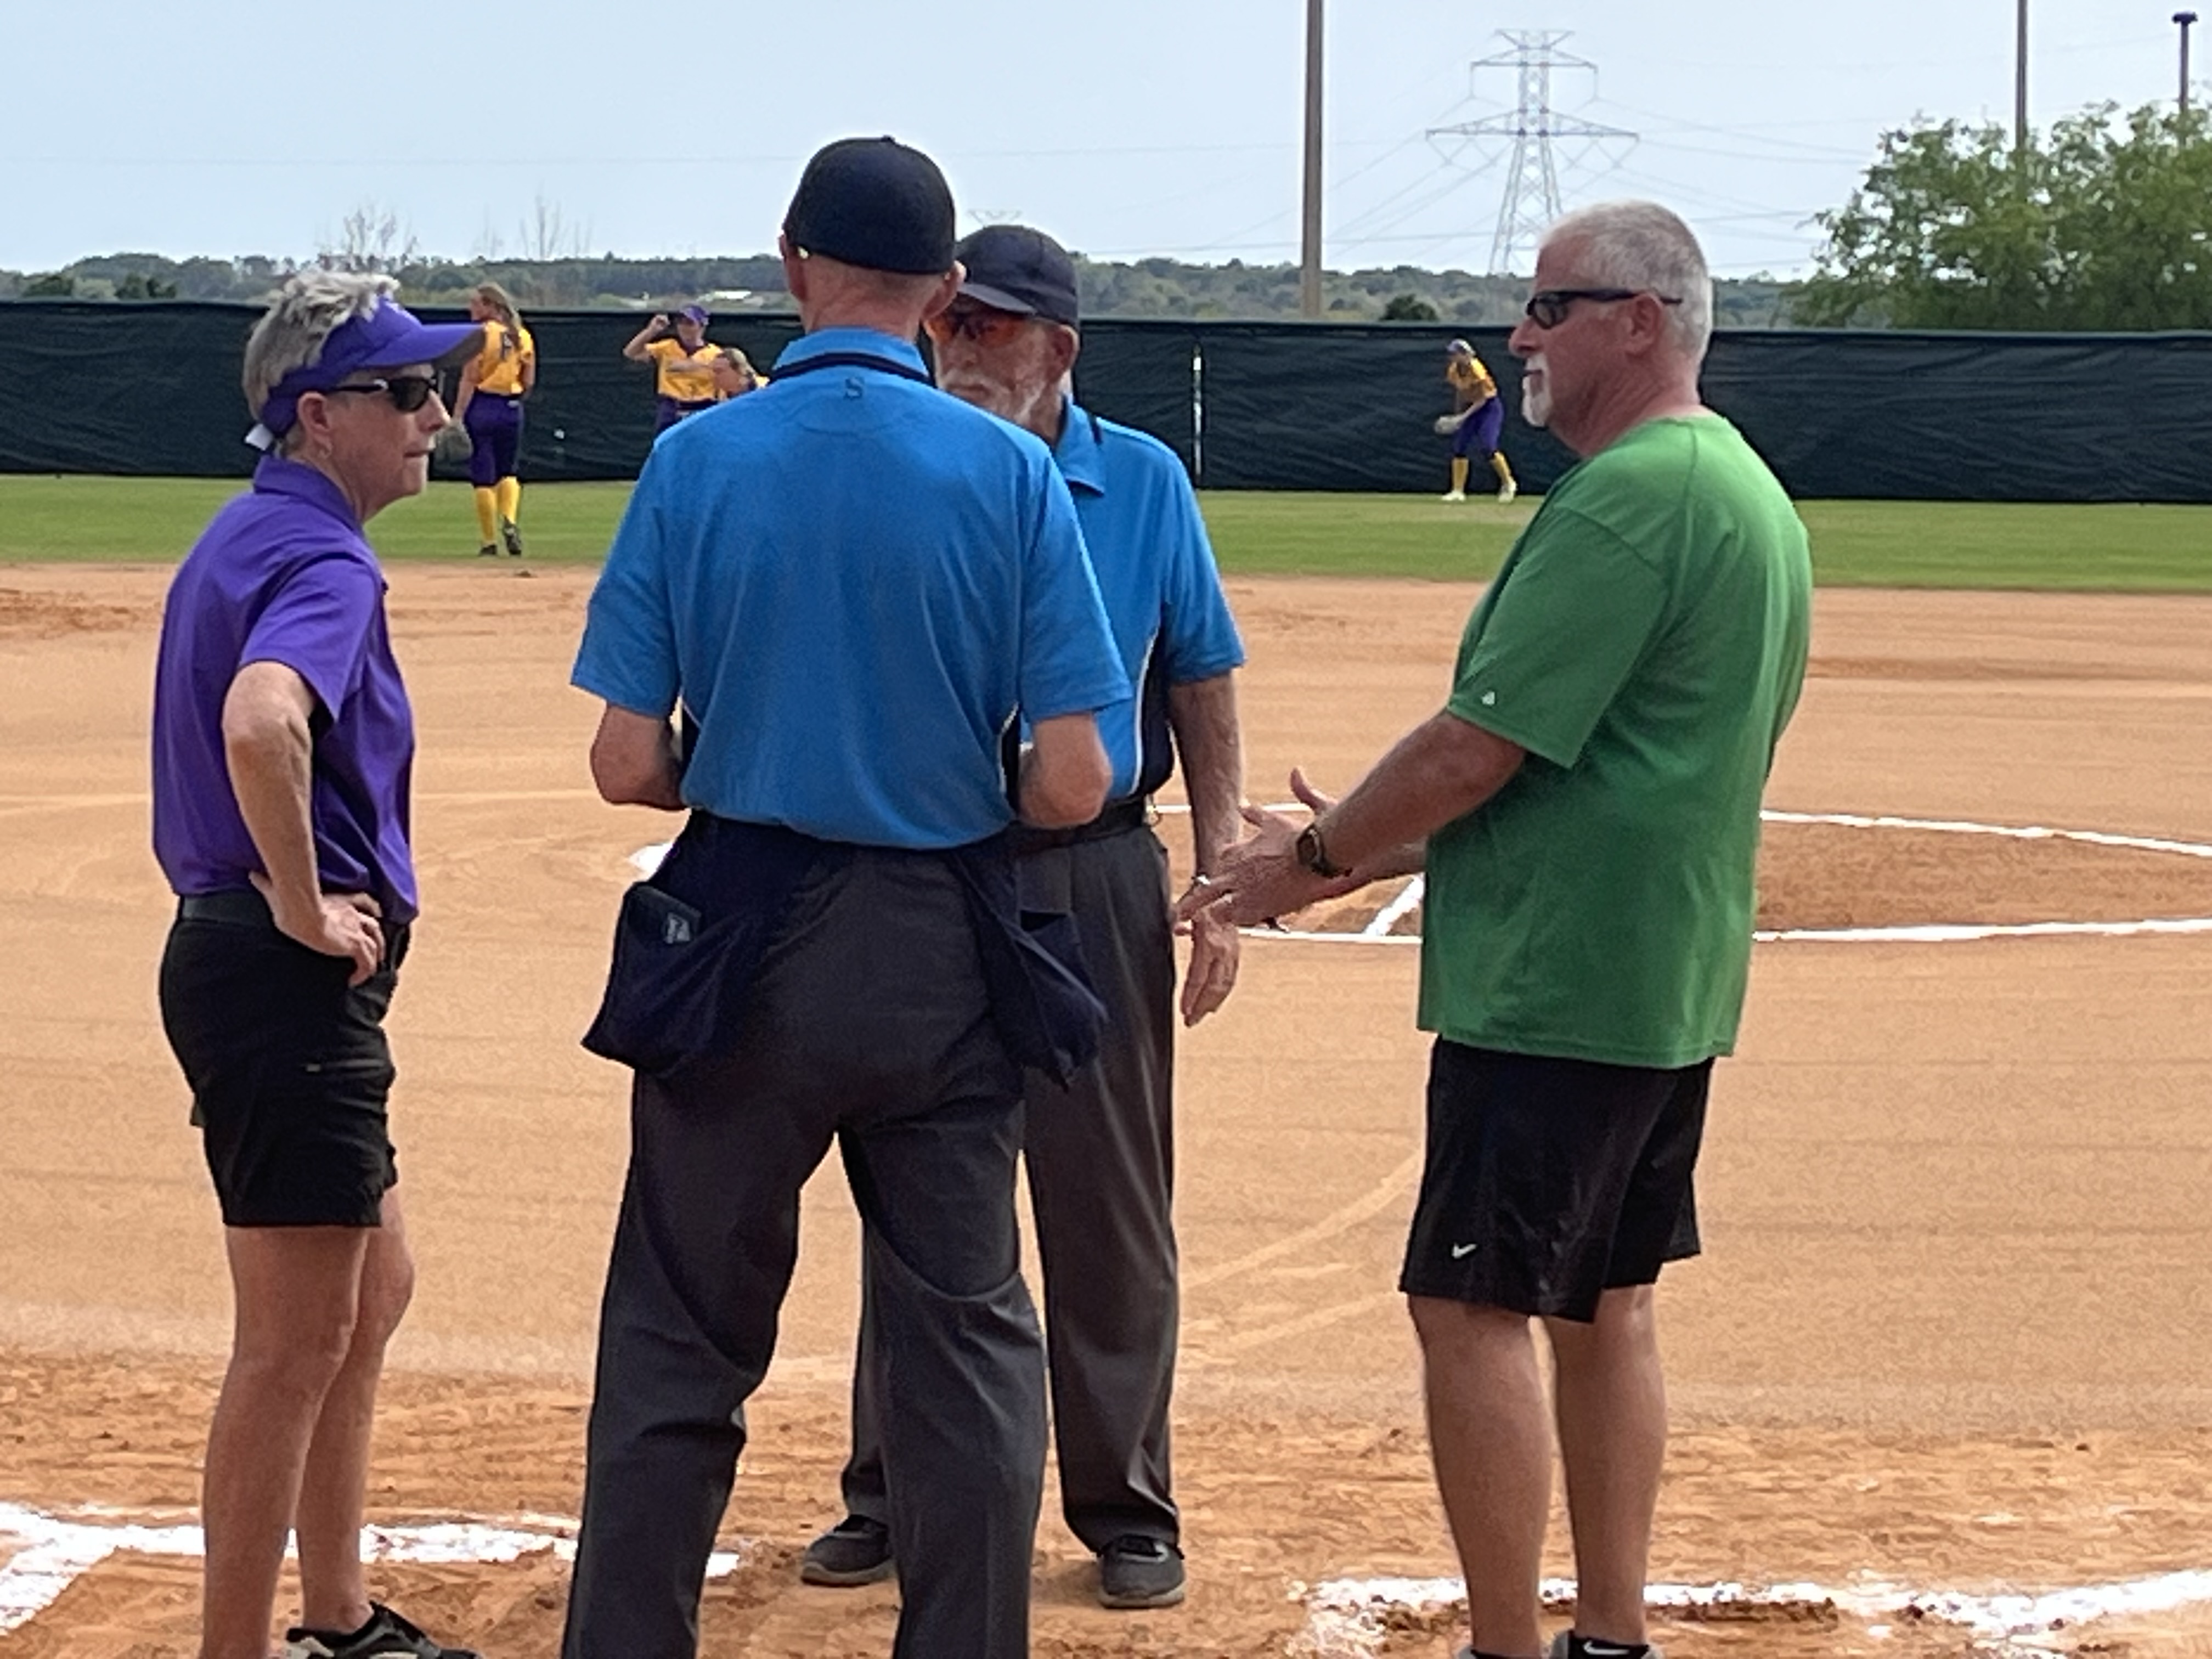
column 302, row 314
column 1643, row 246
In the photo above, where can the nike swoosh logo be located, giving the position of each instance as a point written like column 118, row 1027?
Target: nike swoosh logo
column 1594, row 1651
column 1459, row 1250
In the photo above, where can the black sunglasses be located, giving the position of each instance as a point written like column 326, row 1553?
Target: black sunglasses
column 408, row 392
column 1549, row 307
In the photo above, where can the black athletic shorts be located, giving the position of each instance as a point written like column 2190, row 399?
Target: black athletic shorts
column 1548, row 1181
column 288, row 1065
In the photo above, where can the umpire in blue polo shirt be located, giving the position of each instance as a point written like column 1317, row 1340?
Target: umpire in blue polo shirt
column 1100, row 1158
column 851, row 586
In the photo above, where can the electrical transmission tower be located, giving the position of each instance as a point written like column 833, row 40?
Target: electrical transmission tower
column 1531, row 199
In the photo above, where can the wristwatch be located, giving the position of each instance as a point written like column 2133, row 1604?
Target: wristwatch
column 1314, row 855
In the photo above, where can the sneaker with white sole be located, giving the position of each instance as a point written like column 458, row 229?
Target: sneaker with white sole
column 1506, row 492
column 386, row 1636
column 1453, row 495
column 1567, row 1645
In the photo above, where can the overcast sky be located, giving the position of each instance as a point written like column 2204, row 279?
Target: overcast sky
column 1145, row 127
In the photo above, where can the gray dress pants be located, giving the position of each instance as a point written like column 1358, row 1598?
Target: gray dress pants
column 1100, row 1160
column 869, row 1024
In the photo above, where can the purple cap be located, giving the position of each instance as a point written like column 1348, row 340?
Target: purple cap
column 389, row 337
column 695, row 314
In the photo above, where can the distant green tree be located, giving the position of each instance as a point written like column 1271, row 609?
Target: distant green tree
column 138, row 286
column 1408, row 308
column 2102, row 224
column 54, row 285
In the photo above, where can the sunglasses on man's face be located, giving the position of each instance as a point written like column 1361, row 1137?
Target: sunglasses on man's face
column 985, row 326
column 1548, row 307
column 408, row 392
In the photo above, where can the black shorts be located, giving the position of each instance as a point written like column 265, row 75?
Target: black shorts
column 1549, row 1181
column 289, row 1067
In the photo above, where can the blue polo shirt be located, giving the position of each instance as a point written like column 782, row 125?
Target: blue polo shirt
column 851, row 582
column 284, row 574
column 1157, row 575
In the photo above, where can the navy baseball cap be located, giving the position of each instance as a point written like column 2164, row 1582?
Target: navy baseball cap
column 389, row 337
column 1014, row 267
column 874, row 203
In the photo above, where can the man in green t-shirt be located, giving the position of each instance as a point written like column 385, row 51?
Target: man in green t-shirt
column 1586, row 809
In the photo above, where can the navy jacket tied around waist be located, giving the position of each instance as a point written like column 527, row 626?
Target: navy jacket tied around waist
column 690, row 938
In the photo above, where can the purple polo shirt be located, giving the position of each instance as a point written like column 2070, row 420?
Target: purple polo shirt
column 284, row 574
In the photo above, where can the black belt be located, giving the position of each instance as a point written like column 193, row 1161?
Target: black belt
column 1118, row 819
column 240, row 906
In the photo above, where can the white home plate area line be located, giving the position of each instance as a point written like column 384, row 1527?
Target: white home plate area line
column 1378, row 929
column 1347, row 1618
column 1351, row 1617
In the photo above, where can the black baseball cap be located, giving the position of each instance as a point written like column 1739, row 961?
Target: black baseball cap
column 1014, row 267
column 874, row 203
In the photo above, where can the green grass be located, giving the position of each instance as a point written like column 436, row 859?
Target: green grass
column 1855, row 543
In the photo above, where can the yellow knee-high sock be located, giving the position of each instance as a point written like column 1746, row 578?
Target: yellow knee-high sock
column 1497, row 464
column 510, row 499
column 1459, row 474
column 487, row 515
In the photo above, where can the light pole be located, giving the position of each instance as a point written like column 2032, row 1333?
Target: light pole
column 2019, row 83
column 1310, row 217
column 2183, row 19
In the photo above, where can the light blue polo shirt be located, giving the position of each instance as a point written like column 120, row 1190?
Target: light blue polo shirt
column 1156, row 573
column 852, row 581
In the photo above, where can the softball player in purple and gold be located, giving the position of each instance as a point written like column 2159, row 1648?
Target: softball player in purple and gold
column 1478, row 415
column 494, row 383
column 685, row 378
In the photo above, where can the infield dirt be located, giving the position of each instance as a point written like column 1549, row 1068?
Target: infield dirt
column 1950, row 1333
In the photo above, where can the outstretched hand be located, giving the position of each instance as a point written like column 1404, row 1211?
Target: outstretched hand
column 1260, row 878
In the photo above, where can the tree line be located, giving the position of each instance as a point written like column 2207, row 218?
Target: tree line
column 2104, row 223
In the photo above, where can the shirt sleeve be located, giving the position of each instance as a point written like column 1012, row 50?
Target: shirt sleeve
column 1069, row 665
column 1198, row 637
column 628, row 656
column 317, row 624
column 1575, row 615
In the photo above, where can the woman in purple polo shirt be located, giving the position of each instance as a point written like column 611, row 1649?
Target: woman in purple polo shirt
column 283, row 745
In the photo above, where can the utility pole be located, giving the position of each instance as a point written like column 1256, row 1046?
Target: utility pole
column 1531, row 200
column 2183, row 19
column 2019, row 85
column 1309, row 237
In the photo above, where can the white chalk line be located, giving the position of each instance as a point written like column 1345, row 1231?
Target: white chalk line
column 1351, row 1617
column 51, row 1551
column 1379, row 930
column 1346, row 1616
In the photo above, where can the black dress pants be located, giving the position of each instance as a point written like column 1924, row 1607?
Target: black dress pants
column 1101, row 1162
column 868, row 1024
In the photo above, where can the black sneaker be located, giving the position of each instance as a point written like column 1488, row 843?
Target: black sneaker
column 488, row 551
column 856, row 1551
column 511, row 533
column 386, row 1636
column 1136, row 1572
column 1567, row 1645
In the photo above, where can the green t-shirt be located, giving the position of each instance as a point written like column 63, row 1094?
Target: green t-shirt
column 1645, row 642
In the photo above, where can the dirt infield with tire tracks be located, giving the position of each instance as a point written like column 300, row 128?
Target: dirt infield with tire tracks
column 1951, row 1334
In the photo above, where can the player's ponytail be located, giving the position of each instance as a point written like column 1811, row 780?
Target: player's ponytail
column 510, row 319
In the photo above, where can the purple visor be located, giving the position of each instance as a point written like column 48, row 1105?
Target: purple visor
column 696, row 315
column 390, row 336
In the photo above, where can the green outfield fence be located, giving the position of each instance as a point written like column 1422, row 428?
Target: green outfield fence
column 152, row 389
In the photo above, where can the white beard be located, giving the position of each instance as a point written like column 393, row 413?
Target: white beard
column 1537, row 399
